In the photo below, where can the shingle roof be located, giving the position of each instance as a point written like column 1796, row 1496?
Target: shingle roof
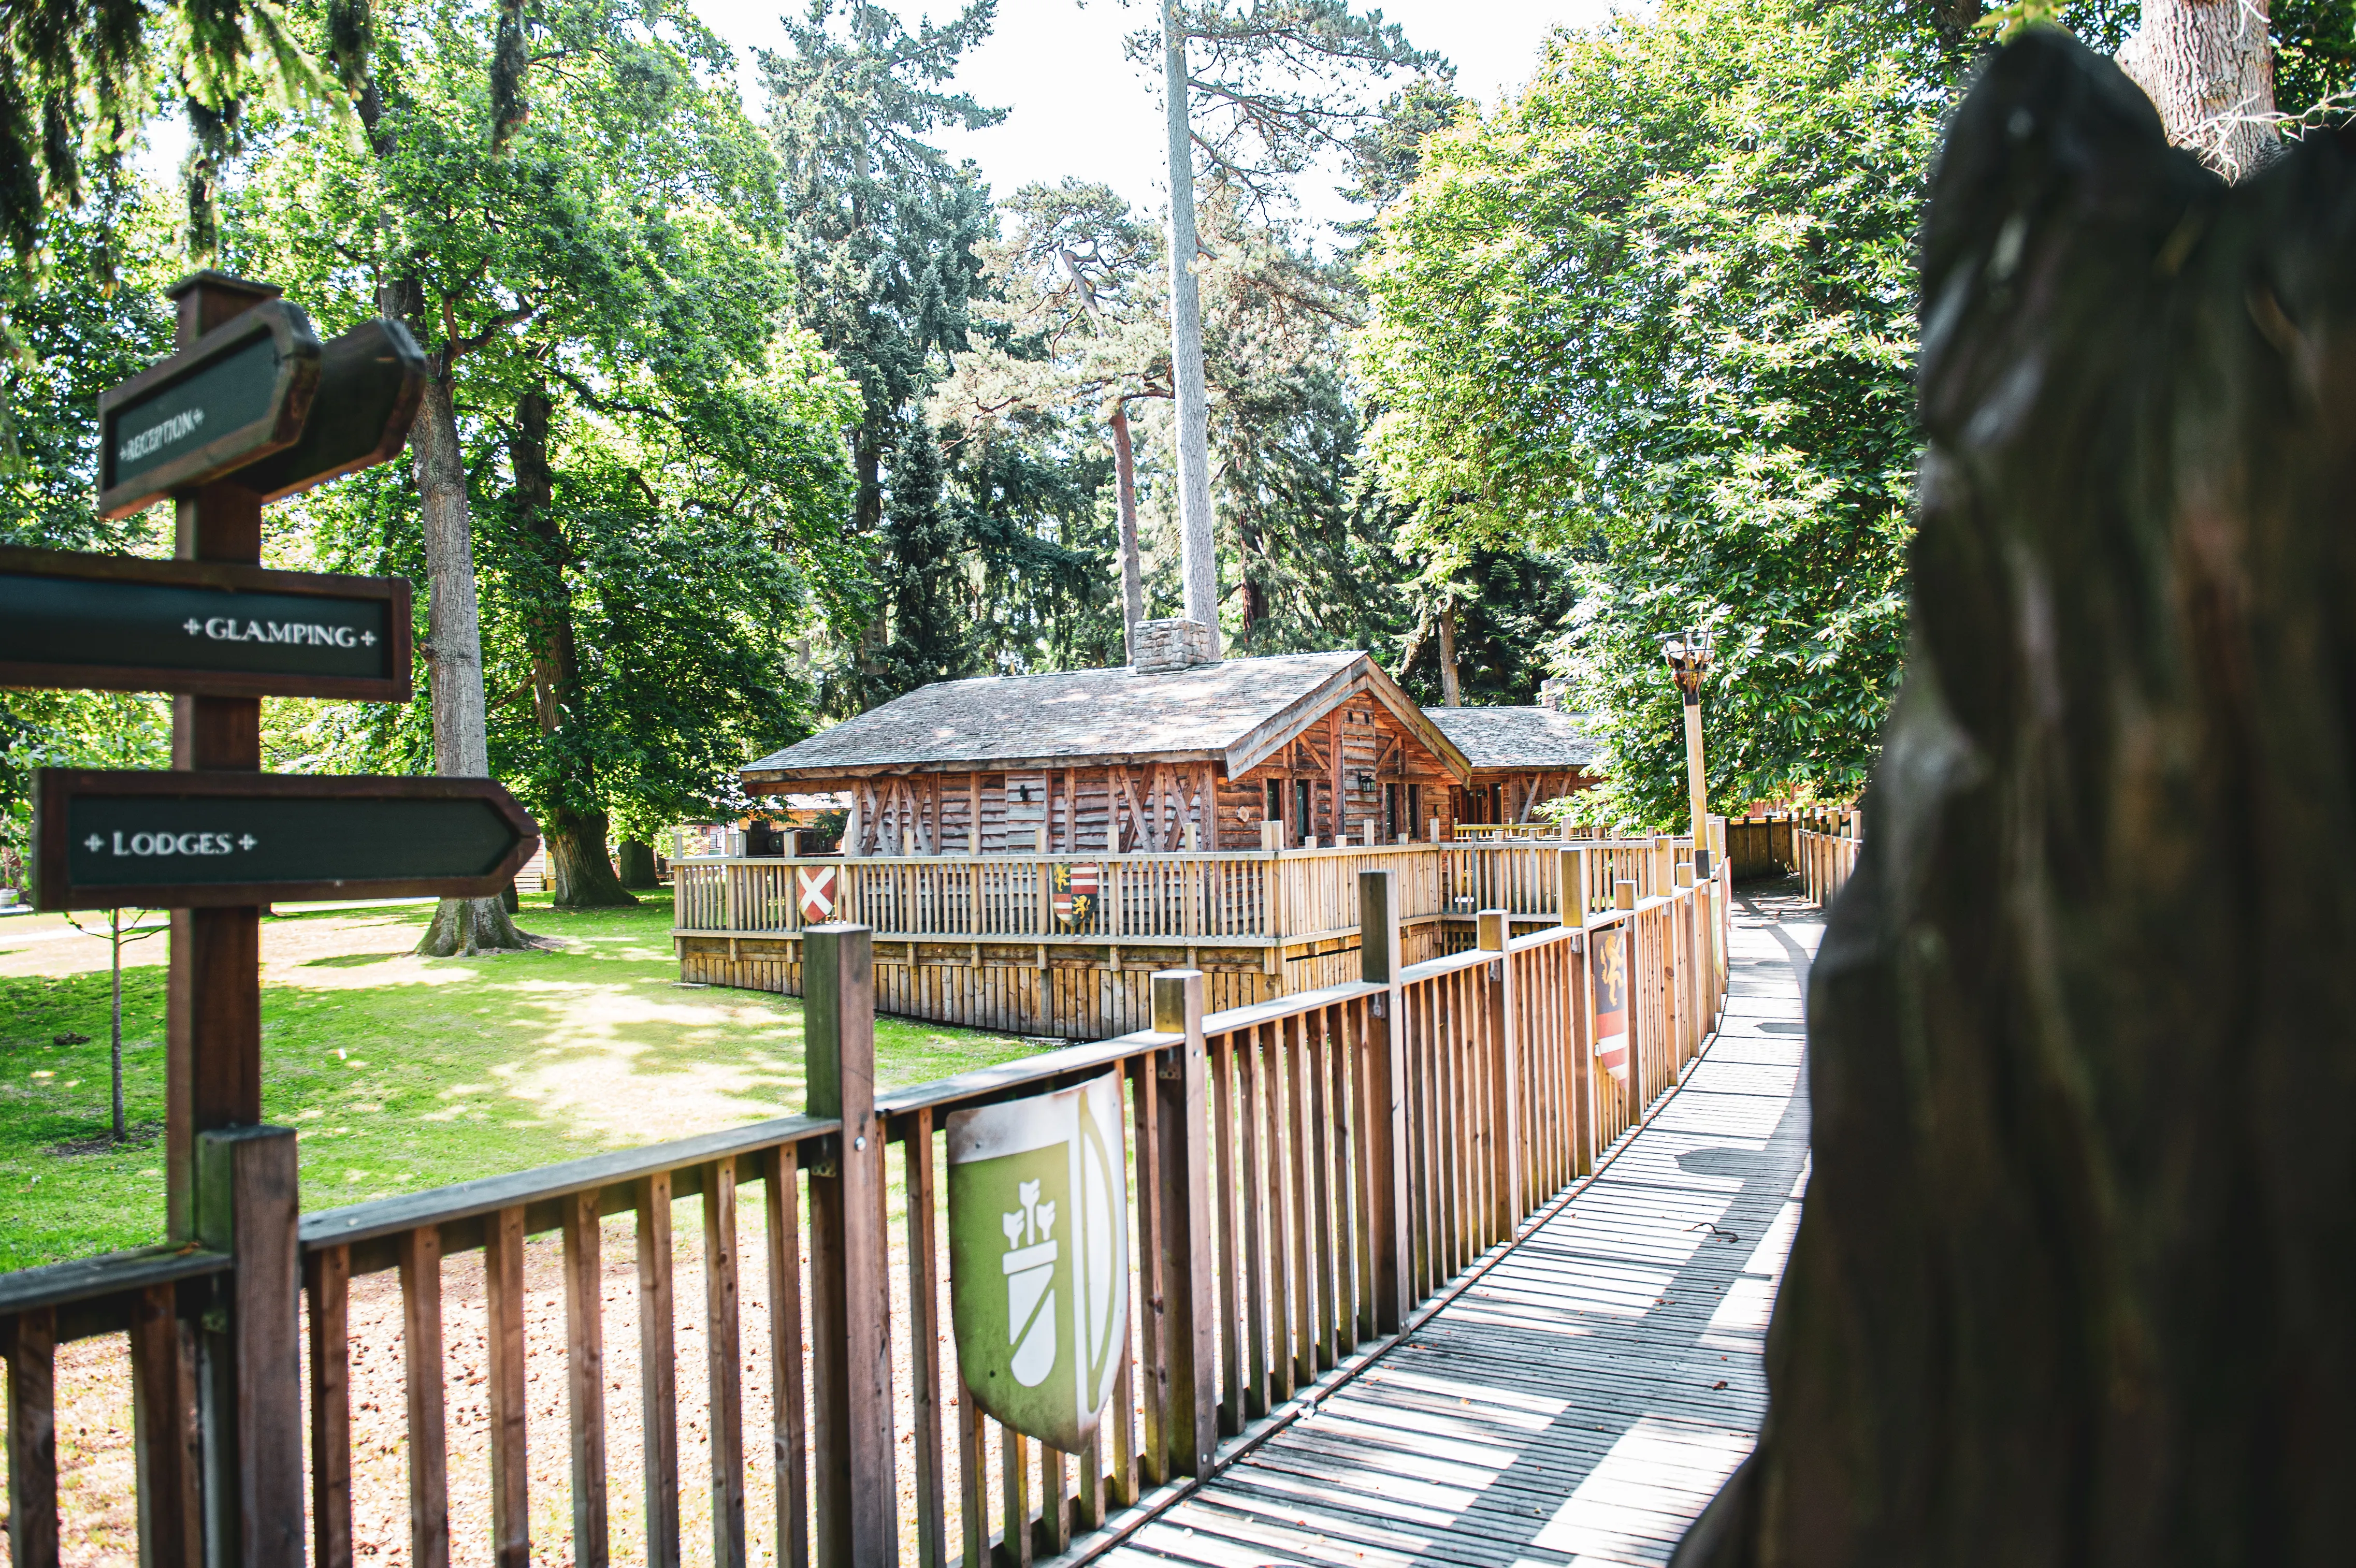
column 1540, row 738
column 1234, row 712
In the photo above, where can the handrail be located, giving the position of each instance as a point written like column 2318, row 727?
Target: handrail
column 358, row 1223
column 1239, row 898
column 81, row 1280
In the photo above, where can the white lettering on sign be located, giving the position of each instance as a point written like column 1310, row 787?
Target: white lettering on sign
column 310, row 633
column 148, row 845
column 179, row 427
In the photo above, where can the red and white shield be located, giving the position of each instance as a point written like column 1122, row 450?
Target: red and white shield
column 814, row 890
column 1073, row 893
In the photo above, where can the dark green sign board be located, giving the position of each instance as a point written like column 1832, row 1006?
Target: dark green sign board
column 241, row 393
column 192, row 840
column 86, row 621
column 371, row 379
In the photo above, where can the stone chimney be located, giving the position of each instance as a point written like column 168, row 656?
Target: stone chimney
column 1157, row 647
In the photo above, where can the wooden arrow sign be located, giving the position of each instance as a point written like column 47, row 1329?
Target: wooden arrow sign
column 240, row 393
column 196, row 840
column 115, row 623
column 371, row 379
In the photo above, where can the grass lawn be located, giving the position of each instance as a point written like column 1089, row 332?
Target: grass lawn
column 400, row 1073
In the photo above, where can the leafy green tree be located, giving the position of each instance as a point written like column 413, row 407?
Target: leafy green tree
column 1076, row 318
column 590, row 250
column 884, row 231
column 1659, row 305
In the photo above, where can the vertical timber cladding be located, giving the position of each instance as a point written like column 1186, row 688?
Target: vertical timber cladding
column 1386, row 772
column 1376, row 751
column 1076, row 997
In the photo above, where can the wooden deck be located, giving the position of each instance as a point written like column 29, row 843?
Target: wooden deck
column 1582, row 1393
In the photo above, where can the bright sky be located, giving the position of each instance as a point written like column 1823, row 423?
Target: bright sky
column 1079, row 108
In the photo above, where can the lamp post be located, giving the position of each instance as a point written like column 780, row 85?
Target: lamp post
column 1689, row 654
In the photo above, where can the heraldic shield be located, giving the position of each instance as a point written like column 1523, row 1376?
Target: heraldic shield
column 1039, row 1258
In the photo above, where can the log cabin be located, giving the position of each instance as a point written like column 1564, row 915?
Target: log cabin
column 1520, row 758
column 1152, row 758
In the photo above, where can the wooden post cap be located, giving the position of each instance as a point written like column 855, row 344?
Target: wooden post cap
column 1494, row 924
column 1623, row 894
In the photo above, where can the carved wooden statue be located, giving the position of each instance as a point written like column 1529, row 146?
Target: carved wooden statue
column 2077, row 1275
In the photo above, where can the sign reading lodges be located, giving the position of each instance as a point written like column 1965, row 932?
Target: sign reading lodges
column 193, row 840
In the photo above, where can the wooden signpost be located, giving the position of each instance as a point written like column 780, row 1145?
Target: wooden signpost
column 252, row 409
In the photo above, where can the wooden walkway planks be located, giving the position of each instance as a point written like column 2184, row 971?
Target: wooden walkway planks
column 1582, row 1399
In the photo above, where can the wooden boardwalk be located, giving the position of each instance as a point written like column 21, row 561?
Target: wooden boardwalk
column 1580, row 1395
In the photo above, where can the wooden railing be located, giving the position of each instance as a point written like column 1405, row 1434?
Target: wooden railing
column 1494, row 832
column 1826, row 858
column 1306, row 1172
column 1239, row 899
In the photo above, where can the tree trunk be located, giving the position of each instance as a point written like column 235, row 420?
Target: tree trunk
column 574, row 823
column 2071, row 1279
column 1451, row 690
column 453, row 656
column 2208, row 67
column 1132, row 568
column 1198, row 544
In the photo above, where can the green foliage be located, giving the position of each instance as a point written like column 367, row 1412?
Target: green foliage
column 620, row 251
column 2315, row 59
column 1660, row 306
column 884, row 231
column 94, row 319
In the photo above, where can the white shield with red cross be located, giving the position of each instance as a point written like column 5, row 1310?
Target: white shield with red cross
column 814, row 890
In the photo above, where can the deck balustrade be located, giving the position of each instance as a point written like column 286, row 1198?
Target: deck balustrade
column 1308, row 1171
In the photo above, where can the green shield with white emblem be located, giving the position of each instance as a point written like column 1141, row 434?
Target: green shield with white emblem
column 1039, row 1258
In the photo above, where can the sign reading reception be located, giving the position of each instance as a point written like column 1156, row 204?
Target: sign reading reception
column 1039, row 1258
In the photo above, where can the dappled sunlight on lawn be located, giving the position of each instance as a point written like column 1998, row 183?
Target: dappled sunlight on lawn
column 632, row 1063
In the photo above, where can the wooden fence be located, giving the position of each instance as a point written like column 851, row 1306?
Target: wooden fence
column 1306, row 1172
column 979, row 940
column 1826, row 858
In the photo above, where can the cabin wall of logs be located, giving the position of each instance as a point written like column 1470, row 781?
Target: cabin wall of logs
column 1358, row 767
column 1499, row 798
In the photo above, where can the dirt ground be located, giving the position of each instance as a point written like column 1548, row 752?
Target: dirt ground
column 94, row 1414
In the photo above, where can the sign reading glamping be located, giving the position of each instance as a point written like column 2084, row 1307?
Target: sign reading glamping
column 1039, row 1258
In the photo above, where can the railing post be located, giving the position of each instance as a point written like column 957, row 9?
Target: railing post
column 1495, row 926
column 1571, row 897
column 250, row 1378
column 1183, row 1168
column 856, row 1503
column 1385, row 1113
column 1578, row 1025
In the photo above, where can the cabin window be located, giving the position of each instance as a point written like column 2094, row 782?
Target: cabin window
column 1275, row 801
column 1415, row 809
column 1300, row 810
column 1390, row 812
